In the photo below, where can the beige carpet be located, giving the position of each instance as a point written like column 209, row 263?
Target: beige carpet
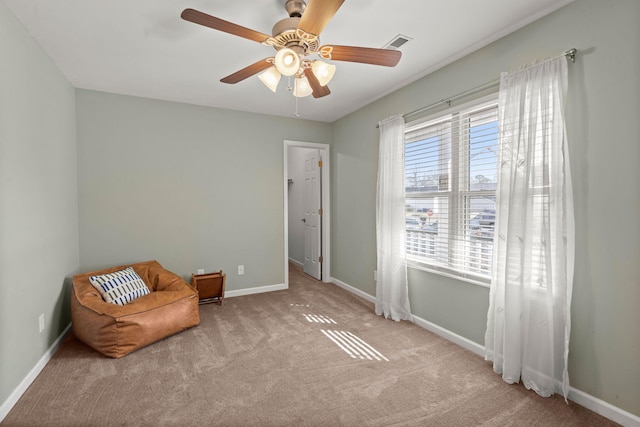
column 313, row 355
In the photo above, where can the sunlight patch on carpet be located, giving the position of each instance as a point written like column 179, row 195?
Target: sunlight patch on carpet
column 299, row 305
column 354, row 346
column 319, row 318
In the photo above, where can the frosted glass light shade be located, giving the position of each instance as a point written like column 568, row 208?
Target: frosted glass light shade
column 302, row 87
column 324, row 72
column 270, row 78
column 287, row 62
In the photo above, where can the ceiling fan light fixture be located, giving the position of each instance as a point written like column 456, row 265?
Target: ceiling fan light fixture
column 302, row 87
column 323, row 71
column 295, row 40
column 270, row 78
column 287, row 62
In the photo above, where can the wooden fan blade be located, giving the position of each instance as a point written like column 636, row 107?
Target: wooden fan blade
column 365, row 55
column 202, row 18
column 318, row 90
column 246, row 72
column 317, row 15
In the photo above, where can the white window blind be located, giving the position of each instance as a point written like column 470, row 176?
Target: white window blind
column 450, row 183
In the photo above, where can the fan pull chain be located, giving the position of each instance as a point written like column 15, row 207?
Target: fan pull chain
column 290, row 89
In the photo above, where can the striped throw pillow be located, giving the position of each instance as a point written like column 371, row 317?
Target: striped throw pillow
column 120, row 287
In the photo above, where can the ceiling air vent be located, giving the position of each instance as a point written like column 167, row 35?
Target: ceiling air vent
column 397, row 41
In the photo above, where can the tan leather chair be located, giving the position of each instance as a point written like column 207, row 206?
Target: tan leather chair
column 115, row 330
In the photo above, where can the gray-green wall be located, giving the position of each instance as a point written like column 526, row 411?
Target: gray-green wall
column 197, row 187
column 38, row 201
column 192, row 187
column 603, row 125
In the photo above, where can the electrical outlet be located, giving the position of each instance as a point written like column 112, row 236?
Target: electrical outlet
column 375, row 275
column 41, row 322
column 200, row 271
column 240, row 270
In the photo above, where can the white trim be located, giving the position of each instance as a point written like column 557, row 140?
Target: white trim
column 326, row 206
column 31, row 376
column 432, row 327
column 296, row 262
column 48, row 355
column 353, row 290
column 417, row 265
column 449, row 336
column 479, row 44
column 603, row 408
column 256, row 290
column 592, row 403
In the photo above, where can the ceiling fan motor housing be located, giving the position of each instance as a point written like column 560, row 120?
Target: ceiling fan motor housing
column 284, row 25
column 285, row 34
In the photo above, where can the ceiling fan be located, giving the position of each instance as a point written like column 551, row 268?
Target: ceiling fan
column 296, row 40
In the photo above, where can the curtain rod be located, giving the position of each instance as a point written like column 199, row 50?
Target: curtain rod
column 571, row 54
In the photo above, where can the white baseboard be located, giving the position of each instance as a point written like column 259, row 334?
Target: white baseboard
column 592, row 403
column 603, row 408
column 432, row 327
column 353, row 290
column 463, row 342
column 257, row 290
column 296, row 262
column 31, row 376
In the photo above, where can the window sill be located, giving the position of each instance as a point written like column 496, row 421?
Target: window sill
column 463, row 277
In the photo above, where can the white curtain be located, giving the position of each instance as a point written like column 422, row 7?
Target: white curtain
column 529, row 321
column 392, row 295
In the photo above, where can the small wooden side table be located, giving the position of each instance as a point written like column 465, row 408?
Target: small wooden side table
column 210, row 286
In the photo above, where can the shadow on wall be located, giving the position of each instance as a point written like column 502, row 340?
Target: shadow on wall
column 61, row 316
column 582, row 330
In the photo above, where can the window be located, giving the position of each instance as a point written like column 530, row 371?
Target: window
column 450, row 183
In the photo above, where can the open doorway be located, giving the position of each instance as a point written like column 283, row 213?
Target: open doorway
column 299, row 224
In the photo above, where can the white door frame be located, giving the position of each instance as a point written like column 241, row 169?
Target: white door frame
column 326, row 207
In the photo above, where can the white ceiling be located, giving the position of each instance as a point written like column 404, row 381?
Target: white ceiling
column 143, row 47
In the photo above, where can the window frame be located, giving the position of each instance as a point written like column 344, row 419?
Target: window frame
column 456, row 194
